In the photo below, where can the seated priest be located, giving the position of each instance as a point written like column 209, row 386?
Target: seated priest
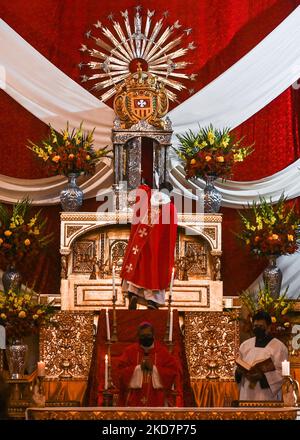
column 259, row 369
column 147, row 372
column 149, row 258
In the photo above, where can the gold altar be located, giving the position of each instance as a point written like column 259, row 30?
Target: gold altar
column 218, row 413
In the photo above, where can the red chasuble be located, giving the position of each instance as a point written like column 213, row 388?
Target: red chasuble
column 147, row 395
column 149, row 257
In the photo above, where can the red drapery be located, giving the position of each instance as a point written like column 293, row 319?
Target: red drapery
column 223, row 31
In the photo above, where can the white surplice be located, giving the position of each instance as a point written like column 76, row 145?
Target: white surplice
column 278, row 352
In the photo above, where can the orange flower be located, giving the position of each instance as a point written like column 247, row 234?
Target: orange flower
column 220, row 159
column 273, row 319
column 88, row 157
column 71, row 156
column 56, row 158
column 256, row 239
column 193, row 161
column 290, row 237
column 27, row 242
column 7, row 233
column 273, row 237
column 207, row 158
column 1, row 241
column 22, row 314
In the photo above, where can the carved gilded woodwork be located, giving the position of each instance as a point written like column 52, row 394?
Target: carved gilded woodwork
column 211, row 338
column 67, row 341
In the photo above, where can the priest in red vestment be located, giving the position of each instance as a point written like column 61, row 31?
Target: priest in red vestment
column 147, row 372
column 149, row 257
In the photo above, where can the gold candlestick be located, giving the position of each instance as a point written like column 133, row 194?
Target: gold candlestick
column 114, row 337
column 290, row 391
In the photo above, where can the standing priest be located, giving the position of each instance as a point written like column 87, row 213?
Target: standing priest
column 149, row 258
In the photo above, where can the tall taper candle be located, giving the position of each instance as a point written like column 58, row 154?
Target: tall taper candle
column 171, row 283
column 171, row 326
column 106, row 373
column 285, row 365
column 107, row 325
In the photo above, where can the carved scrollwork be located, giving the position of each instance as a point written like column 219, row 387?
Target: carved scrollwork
column 71, row 229
column 68, row 338
column 211, row 232
column 211, row 336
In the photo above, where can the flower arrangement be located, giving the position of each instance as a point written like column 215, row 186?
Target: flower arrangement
column 22, row 315
column 211, row 152
column 69, row 152
column 270, row 229
column 21, row 233
column 276, row 307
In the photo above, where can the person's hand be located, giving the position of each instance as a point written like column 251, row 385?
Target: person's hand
column 147, row 365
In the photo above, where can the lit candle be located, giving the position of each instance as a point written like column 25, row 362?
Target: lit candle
column 41, row 369
column 114, row 282
column 106, row 373
column 171, row 283
column 171, row 326
column 285, row 365
column 107, row 325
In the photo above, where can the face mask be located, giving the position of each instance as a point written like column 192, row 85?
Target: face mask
column 259, row 332
column 146, row 341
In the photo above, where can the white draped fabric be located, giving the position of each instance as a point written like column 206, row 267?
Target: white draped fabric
column 250, row 84
column 47, row 92
column 239, row 194
column 247, row 86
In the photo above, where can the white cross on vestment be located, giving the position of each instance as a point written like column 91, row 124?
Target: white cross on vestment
column 135, row 250
column 143, row 232
column 129, row 267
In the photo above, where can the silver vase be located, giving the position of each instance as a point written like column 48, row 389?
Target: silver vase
column 212, row 196
column 16, row 354
column 71, row 197
column 272, row 277
column 11, row 280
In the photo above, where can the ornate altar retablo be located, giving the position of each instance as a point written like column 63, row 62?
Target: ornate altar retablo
column 92, row 243
column 141, row 97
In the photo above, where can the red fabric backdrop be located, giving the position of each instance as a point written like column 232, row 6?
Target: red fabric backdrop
column 223, row 31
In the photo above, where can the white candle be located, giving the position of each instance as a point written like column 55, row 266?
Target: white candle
column 107, row 325
column 114, row 282
column 172, row 282
column 285, row 365
column 228, row 303
column 106, row 373
column 171, row 326
column 41, row 369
